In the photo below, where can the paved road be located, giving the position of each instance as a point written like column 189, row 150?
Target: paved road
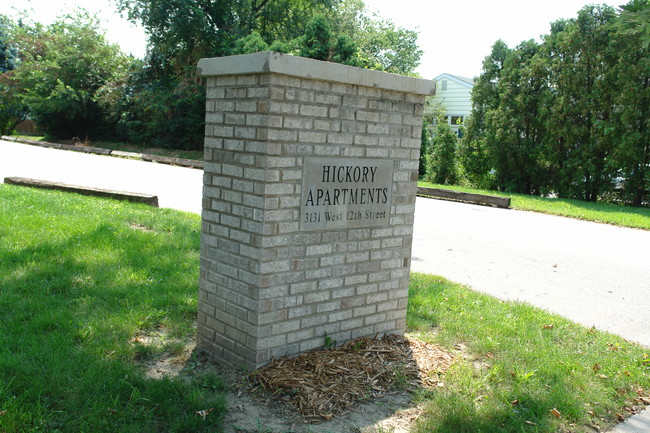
column 591, row 273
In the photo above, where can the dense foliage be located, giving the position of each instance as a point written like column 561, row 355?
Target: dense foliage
column 62, row 72
column 568, row 116
column 75, row 84
column 12, row 109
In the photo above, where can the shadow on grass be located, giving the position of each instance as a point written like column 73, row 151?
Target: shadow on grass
column 70, row 310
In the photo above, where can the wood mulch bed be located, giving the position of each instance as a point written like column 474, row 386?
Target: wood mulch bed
column 327, row 382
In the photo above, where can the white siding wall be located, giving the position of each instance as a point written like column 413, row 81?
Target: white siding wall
column 457, row 97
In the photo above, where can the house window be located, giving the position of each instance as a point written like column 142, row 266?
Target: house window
column 443, row 85
column 456, row 120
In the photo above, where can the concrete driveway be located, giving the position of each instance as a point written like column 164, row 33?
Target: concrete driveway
column 591, row 273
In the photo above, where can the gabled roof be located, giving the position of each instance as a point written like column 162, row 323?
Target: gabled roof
column 463, row 81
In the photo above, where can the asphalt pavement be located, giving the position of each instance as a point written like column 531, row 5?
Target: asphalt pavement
column 594, row 274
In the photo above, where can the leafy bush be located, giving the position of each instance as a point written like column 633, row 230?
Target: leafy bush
column 441, row 163
column 62, row 68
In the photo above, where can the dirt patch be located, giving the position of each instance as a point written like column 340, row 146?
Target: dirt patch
column 364, row 386
column 257, row 414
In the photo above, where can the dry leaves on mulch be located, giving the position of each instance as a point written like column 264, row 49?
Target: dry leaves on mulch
column 323, row 383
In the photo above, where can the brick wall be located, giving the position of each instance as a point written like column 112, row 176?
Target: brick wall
column 267, row 288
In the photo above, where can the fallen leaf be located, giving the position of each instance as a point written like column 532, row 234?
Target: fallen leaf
column 514, row 402
column 548, row 326
column 556, row 413
column 596, row 367
column 620, row 417
column 204, row 413
column 3, row 412
column 603, row 376
column 530, row 423
column 555, row 265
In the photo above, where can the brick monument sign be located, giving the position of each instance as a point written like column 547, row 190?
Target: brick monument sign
column 308, row 202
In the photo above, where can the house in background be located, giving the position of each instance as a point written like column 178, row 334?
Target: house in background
column 454, row 93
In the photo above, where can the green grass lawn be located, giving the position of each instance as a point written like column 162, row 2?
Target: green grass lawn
column 625, row 216
column 83, row 283
column 520, row 364
column 87, row 284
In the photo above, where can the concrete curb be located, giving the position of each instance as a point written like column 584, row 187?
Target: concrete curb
column 482, row 199
column 151, row 200
column 182, row 162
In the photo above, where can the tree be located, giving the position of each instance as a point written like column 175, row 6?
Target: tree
column 581, row 56
column 12, row 108
column 381, row 44
column 317, row 40
column 569, row 116
column 250, row 44
column 518, row 121
column 441, row 164
column 630, row 122
column 183, row 31
column 62, row 69
column 425, row 149
column 635, row 17
column 286, row 20
column 474, row 153
column 8, row 54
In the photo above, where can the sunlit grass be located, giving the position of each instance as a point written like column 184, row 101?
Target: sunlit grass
column 80, row 279
column 520, row 364
column 84, row 281
column 608, row 213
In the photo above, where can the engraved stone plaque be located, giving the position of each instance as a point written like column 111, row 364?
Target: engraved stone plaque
column 342, row 193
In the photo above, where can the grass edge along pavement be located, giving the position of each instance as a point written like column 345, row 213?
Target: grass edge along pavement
column 87, row 285
column 620, row 215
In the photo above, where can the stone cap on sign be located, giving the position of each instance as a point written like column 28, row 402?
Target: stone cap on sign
column 286, row 64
